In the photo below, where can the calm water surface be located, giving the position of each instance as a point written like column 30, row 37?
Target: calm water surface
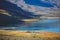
column 45, row 25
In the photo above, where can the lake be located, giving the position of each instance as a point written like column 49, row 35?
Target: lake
column 49, row 25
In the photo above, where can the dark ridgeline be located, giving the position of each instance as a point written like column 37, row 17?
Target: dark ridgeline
column 8, row 20
column 15, row 11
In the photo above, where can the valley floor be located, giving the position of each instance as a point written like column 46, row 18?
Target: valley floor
column 28, row 35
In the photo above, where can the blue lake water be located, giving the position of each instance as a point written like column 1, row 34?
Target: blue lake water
column 45, row 25
column 53, row 30
column 48, row 25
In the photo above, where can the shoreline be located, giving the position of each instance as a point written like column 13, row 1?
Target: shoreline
column 29, row 33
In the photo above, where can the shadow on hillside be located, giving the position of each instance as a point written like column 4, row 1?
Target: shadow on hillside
column 9, row 21
column 14, row 10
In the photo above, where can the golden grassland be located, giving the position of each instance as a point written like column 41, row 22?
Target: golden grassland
column 29, row 33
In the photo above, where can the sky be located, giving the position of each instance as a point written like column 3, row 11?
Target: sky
column 39, row 3
column 39, row 6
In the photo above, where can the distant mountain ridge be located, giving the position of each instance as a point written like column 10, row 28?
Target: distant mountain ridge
column 14, row 10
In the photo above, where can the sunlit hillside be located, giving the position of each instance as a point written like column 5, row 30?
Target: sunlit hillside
column 29, row 33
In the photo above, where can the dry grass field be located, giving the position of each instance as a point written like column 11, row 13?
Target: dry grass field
column 28, row 35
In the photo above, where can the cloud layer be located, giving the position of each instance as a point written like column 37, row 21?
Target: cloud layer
column 39, row 9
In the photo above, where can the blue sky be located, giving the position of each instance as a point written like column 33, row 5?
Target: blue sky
column 38, row 3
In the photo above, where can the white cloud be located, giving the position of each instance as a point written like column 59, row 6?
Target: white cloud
column 38, row 9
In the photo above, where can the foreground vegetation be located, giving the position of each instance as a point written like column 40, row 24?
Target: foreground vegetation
column 6, row 37
column 28, row 35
